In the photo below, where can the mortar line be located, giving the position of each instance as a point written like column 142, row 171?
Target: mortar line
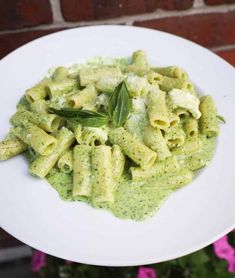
column 199, row 4
column 223, row 48
column 56, row 11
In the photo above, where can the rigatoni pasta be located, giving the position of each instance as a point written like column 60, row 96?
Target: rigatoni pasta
column 39, row 106
column 11, row 147
column 102, row 175
column 35, row 137
column 137, row 151
column 42, row 165
column 157, row 109
column 191, row 127
column 158, row 169
column 47, row 122
column 168, row 83
column 209, row 121
column 154, row 139
column 172, row 71
column 59, row 87
column 83, row 98
column 116, row 133
column 38, row 91
column 82, row 171
column 65, row 163
column 118, row 161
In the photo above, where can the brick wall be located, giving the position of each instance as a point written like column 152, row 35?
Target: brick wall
column 210, row 23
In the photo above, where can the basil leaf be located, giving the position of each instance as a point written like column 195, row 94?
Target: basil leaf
column 84, row 117
column 119, row 105
column 221, row 119
column 92, row 122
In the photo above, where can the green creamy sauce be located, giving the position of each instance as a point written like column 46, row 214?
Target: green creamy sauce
column 140, row 200
column 136, row 200
column 200, row 158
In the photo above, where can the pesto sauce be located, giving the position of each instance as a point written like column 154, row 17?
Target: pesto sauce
column 62, row 183
column 200, row 158
column 139, row 200
column 133, row 200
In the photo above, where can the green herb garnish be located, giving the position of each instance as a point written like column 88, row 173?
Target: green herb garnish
column 118, row 110
column 221, row 119
column 84, row 117
column 119, row 104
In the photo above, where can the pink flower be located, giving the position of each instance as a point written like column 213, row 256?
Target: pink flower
column 38, row 261
column 146, row 272
column 224, row 250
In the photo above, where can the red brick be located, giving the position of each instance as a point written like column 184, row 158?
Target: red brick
column 175, row 4
column 206, row 29
column 218, row 2
column 9, row 42
column 228, row 55
column 16, row 14
column 75, row 10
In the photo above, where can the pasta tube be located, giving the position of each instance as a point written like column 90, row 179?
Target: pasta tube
column 92, row 75
column 172, row 71
column 136, row 85
column 47, row 122
column 154, row 77
column 173, row 119
column 132, row 147
column 42, row 165
column 180, row 178
column 154, row 140
column 59, row 87
column 107, row 84
column 60, row 73
column 158, row 169
column 65, row 163
column 76, row 128
column 118, row 161
column 35, row 137
column 39, row 106
column 82, row 171
column 175, row 137
column 181, row 113
column 185, row 100
column 38, row 91
column 83, row 98
column 168, row 83
column 139, row 63
column 192, row 145
column 94, row 136
column 191, row 127
column 102, row 175
column 157, row 109
column 11, row 147
column 208, row 122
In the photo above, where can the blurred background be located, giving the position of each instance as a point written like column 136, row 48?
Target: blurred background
column 210, row 23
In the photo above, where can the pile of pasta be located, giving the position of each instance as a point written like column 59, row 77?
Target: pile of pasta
column 166, row 118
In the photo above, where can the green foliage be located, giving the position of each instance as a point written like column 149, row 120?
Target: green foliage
column 200, row 264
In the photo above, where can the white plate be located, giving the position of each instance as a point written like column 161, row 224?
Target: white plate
column 190, row 219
